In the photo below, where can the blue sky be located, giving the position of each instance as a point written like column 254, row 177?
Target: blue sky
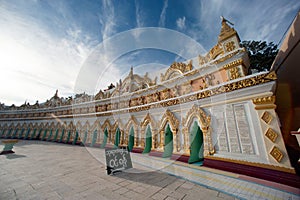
column 45, row 44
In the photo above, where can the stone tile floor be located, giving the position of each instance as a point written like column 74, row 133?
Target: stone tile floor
column 44, row 170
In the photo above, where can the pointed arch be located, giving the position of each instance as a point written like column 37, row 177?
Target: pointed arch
column 86, row 126
column 78, row 125
column 18, row 126
column 107, row 125
column 71, row 126
column 24, row 125
column 41, row 126
column 4, row 129
column 132, row 122
column 52, row 125
column 148, row 120
column 169, row 118
column 96, row 125
column 95, row 132
column 204, row 122
column 46, row 126
column 11, row 126
column 118, row 125
column 36, row 126
column 86, row 132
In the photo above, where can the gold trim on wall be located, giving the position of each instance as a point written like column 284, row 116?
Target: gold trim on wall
column 262, row 165
column 271, row 134
column 276, row 154
column 267, row 117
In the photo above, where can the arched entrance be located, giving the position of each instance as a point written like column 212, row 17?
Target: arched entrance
column 104, row 138
column 131, row 139
column 117, row 137
column 148, row 143
column 196, row 143
column 196, row 114
column 94, row 138
column 168, row 142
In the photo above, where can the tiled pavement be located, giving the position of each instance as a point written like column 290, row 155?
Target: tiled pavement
column 44, row 170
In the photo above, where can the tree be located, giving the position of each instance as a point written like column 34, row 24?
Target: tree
column 261, row 54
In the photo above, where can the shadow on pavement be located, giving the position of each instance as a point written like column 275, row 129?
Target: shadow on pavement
column 14, row 156
column 155, row 178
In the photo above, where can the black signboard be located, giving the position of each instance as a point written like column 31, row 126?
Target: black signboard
column 117, row 160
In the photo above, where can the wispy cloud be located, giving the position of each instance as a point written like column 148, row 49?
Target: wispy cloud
column 34, row 62
column 255, row 20
column 138, row 15
column 180, row 22
column 162, row 18
column 107, row 19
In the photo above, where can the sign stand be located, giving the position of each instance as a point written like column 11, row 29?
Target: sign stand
column 117, row 160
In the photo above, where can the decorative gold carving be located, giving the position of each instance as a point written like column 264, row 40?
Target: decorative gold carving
column 169, row 116
column 267, row 117
column 175, row 69
column 230, row 46
column 277, row 154
column 233, row 64
column 264, row 100
column 107, row 125
column 234, row 73
column 204, row 121
column 215, row 51
column 262, row 165
column 148, row 120
column 271, row 134
column 248, row 82
column 264, row 103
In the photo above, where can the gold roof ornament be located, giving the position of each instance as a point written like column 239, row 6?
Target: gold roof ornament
column 226, row 30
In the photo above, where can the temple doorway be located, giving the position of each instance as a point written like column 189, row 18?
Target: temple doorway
column 104, row 138
column 131, row 139
column 196, row 143
column 148, row 139
column 168, row 143
column 117, row 138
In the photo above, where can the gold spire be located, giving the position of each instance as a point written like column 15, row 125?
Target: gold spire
column 226, row 30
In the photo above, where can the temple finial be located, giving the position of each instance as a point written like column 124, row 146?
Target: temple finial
column 226, row 30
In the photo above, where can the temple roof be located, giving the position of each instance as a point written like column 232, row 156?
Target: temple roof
column 226, row 30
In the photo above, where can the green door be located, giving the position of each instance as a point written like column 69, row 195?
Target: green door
column 148, row 143
column 62, row 135
column 131, row 139
column 168, row 150
column 68, row 137
column 76, row 137
column 33, row 134
column 94, row 138
column 27, row 134
column 196, row 141
column 117, row 138
column 84, row 137
column 55, row 136
column 44, row 135
column 50, row 135
column 104, row 138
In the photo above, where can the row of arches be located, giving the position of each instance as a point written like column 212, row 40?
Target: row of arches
column 194, row 138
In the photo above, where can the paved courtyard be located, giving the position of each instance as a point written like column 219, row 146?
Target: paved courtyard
column 44, row 170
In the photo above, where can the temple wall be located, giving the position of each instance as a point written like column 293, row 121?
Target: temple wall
column 239, row 125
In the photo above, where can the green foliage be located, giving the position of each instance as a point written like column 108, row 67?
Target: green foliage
column 261, row 54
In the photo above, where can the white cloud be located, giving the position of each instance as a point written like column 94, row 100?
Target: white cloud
column 162, row 18
column 35, row 63
column 180, row 22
